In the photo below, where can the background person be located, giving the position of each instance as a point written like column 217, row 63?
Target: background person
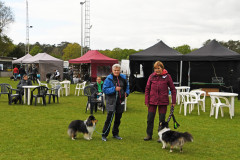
column 70, row 74
column 156, row 95
column 57, row 75
column 15, row 73
column 22, row 72
column 114, row 83
column 34, row 74
column 23, row 82
column 98, row 85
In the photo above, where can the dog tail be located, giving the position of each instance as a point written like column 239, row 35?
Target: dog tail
column 187, row 137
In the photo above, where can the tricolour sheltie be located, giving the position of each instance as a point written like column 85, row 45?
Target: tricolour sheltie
column 86, row 127
column 174, row 138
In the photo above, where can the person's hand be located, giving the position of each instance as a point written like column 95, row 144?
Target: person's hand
column 125, row 95
column 118, row 88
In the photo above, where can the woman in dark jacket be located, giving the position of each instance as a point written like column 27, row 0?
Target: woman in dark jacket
column 156, row 95
column 116, row 88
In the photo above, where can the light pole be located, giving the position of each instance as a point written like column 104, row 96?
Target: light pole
column 28, row 39
column 27, row 30
column 82, row 27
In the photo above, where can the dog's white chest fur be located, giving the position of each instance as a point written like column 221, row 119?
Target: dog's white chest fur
column 91, row 129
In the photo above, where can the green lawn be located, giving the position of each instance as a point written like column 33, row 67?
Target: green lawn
column 38, row 132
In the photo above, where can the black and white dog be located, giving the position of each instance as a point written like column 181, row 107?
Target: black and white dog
column 174, row 138
column 86, row 127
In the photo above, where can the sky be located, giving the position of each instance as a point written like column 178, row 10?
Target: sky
column 127, row 24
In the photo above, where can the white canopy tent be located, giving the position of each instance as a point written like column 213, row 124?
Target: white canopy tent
column 46, row 63
column 22, row 59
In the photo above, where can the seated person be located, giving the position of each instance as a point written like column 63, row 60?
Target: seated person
column 23, row 82
column 98, row 85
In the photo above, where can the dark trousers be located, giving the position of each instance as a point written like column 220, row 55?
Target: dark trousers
column 34, row 78
column 107, row 125
column 151, row 116
column 71, row 79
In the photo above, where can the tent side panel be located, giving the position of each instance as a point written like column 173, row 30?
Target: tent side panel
column 49, row 67
column 96, row 67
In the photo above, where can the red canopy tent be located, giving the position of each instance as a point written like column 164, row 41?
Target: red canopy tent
column 97, row 60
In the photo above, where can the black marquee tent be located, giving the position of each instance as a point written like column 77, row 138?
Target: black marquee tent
column 213, row 51
column 210, row 62
column 146, row 58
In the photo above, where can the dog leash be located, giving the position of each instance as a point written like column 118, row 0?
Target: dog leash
column 175, row 123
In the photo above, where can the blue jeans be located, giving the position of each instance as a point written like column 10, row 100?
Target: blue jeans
column 15, row 76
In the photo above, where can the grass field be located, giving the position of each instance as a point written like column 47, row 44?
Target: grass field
column 40, row 132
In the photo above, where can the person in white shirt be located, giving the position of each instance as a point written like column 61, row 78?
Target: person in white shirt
column 57, row 75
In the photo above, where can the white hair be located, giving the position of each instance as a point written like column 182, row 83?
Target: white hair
column 116, row 66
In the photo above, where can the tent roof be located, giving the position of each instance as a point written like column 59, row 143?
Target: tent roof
column 42, row 58
column 22, row 59
column 93, row 56
column 213, row 51
column 159, row 51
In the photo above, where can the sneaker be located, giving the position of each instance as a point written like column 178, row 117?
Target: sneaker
column 147, row 138
column 117, row 137
column 104, row 138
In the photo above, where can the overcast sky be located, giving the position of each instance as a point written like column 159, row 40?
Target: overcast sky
column 131, row 24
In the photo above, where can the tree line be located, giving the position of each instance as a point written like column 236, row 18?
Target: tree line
column 67, row 50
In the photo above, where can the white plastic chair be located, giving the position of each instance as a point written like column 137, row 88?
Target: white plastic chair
column 54, row 84
column 79, row 87
column 201, row 96
column 201, row 99
column 189, row 99
column 179, row 96
column 42, row 84
column 218, row 103
column 66, row 86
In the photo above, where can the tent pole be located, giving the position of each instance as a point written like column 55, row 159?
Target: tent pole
column 180, row 80
column 189, row 69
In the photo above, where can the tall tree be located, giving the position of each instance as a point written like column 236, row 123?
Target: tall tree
column 56, row 53
column 184, row 49
column 73, row 50
column 6, row 45
column 35, row 50
column 232, row 45
column 62, row 46
column 6, row 16
column 17, row 52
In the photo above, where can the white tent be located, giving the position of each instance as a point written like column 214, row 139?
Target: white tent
column 22, row 59
column 47, row 64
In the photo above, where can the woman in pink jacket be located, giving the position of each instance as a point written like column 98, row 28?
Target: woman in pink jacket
column 156, row 95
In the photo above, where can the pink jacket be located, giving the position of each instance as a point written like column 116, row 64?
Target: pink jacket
column 156, row 91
